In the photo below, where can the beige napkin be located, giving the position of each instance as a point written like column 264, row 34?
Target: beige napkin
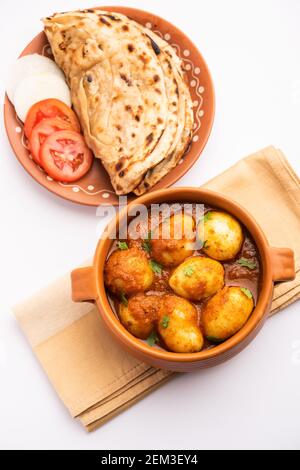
column 92, row 375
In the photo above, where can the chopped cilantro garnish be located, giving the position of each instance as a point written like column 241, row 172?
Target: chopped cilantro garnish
column 189, row 271
column 247, row 263
column 152, row 339
column 206, row 216
column 124, row 299
column 122, row 246
column 165, row 321
column 247, row 292
column 146, row 245
column 156, row 268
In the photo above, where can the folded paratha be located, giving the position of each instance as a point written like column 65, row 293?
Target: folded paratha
column 185, row 118
column 128, row 90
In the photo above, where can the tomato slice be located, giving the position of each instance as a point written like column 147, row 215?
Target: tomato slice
column 65, row 156
column 40, row 133
column 50, row 108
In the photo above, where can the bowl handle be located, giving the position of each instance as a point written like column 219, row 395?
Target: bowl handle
column 83, row 282
column 283, row 264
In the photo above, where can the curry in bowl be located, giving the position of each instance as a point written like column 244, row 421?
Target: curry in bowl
column 184, row 282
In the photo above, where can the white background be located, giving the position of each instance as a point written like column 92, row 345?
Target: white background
column 253, row 49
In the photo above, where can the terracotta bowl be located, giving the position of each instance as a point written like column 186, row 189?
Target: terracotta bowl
column 277, row 264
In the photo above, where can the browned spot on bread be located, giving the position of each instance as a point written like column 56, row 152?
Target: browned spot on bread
column 133, row 135
column 149, row 138
column 140, row 107
column 126, row 79
column 117, row 98
column 174, row 103
column 158, row 91
column 155, row 47
column 130, row 47
column 113, row 18
column 122, row 174
column 128, row 107
column 137, row 118
column 144, row 58
column 146, row 185
column 120, row 149
column 104, row 21
column 119, row 166
column 156, row 78
column 119, row 187
column 159, row 120
column 125, row 27
column 100, row 47
column 62, row 46
column 118, row 127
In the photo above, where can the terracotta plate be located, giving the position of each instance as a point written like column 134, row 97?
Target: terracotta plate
column 95, row 189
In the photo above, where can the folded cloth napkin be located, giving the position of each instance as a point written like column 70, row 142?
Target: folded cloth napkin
column 93, row 376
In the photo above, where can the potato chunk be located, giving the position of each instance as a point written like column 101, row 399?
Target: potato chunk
column 128, row 272
column 223, row 236
column 226, row 313
column 171, row 250
column 140, row 315
column 178, row 325
column 197, row 278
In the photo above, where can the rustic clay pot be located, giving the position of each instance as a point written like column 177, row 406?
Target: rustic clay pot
column 277, row 264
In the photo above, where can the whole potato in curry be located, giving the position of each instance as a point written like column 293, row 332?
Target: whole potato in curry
column 171, row 250
column 197, row 278
column 178, row 325
column 226, row 313
column 223, row 236
column 128, row 272
column 140, row 315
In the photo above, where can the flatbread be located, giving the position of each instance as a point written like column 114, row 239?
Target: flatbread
column 186, row 122
column 127, row 87
column 184, row 110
